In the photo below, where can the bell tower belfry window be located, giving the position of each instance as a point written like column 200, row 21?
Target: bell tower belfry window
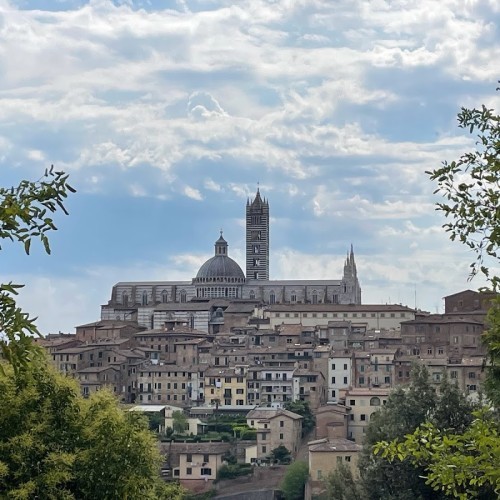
column 257, row 238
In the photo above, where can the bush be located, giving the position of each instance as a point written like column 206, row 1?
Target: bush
column 234, row 470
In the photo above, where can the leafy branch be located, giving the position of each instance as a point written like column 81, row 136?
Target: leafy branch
column 25, row 214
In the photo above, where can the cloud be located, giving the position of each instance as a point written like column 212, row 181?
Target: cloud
column 337, row 108
column 193, row 193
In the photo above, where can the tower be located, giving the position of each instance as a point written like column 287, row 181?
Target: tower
column 257, row 229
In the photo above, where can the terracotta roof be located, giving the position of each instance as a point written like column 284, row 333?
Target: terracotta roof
column 334, row 445
column 270, row 413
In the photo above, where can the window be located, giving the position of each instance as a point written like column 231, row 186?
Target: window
column 183, row 296
column 472, row 375
column 320, row 475
column 454, row 374
column 282, row 423
column 264, row 449
column 189, row 471
column 281, row 436
column 333, row 366
column 363, row 417
column 315, row 297
column 125, row 299
column 440, row 350
column 189, row 458
column 352, row 402
column 293, row 297
column 164, row 296
column 361, row 380
column 144, row 298
column 333, row 380
column 345, row 366
column 206, row 457
column 206, row 471
column 348, row 458
column 345, row 380
column 272, row 298
column 252, row 295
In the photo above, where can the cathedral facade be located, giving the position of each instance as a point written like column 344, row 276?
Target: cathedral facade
column 220, row 281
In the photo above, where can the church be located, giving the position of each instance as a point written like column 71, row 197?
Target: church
column 220, row 281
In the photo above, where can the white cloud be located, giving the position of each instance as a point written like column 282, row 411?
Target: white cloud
column 193, row 193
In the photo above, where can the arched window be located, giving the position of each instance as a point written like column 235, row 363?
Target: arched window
column 125, row 299
column 272, row 297
column 191, row 321
column 144, row 298
column 183, row 295
column 375, row 401
column 252, row 295
column 293, row 296
column 315, row 297
column 164, row 296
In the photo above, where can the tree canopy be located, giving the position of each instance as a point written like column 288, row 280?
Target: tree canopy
column 25, row 214
column 294, row 482
column 462, row 461
column 54, row 444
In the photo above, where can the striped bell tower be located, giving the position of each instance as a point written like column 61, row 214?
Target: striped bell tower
column 257, row 228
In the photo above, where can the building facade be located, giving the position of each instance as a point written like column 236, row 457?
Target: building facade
column 202, row 301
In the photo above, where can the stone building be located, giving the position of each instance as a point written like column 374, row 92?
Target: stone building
column 275, row 427
column 202, row 301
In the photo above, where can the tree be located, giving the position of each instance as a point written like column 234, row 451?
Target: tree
column 471, row 188
column 179, row 422
column 302, row 408
column 341, row 485
column 294, row 481
column 463, row 462
column 24, row 215
column 281, row 455
column 55, row 444
column 405, row 410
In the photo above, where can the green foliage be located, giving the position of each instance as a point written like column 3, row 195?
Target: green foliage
column 302, row 408
column 24, row 215
column 249, row 435
column 492, row 339
column 155, row 420
column 281, row 455
column 230, row 471
column 295, row 480
column 341, row 485
column 460, row 465
column 471, row 188
column 229, row 458
column 180, row 423
column 461, row 459
column 406, row 409
column 55, row 444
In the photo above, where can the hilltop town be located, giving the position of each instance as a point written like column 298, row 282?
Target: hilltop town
column 233, row 347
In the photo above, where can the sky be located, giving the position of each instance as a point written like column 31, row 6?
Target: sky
column 167, row 114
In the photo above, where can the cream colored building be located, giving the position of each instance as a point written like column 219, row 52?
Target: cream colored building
column 325, row 456
column 275, row 427
column 369, row 317
column 225, row 386
column 363, row 403
column 199, row 462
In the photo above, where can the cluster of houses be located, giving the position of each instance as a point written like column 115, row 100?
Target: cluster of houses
column 341, row 359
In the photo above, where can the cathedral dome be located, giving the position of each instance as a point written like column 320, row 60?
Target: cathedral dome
column 220, row 267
